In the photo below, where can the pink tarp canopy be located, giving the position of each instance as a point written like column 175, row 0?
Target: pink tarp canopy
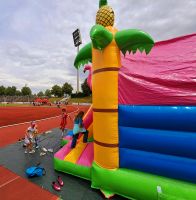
column 167, row 76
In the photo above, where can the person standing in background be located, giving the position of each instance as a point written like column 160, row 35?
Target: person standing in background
column 64, row 121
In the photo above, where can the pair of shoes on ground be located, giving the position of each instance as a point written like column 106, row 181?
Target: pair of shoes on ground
column 50, row 150
column 44, row 151
column 32, row 151
column 57, row 185
column 47, row 150
column 42, row 154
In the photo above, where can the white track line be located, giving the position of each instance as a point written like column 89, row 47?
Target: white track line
column 37, row 120
column 4, row 184
column 29, row 122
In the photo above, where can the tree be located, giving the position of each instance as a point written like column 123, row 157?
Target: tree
column 48, row 93
column 40, row 94
column 67, row 88
column 2, row 90
column 57, row 91
column 26, row 91
column 18, row 93
column 10, row 91
column 85, row 88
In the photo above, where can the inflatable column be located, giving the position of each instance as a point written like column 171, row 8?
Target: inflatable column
column 104, row 53
column 106, row 64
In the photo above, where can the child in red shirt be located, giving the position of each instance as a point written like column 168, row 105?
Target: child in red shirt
column 64, row 121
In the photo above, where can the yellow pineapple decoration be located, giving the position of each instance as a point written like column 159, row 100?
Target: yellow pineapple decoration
column 105, row 14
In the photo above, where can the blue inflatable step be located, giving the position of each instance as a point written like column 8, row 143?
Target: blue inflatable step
column 163, row 165
column 176, row 143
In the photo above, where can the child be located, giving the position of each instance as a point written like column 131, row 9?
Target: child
column 79, row 128
column 63, row 121
column 34, row 130
column 29, row 142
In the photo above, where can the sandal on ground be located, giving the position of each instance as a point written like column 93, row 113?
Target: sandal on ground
column 50, row 150
column 32, row 151
column 56, row 186
column 60, row 181
column 44, row 149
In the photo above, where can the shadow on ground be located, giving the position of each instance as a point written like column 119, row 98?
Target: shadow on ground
column 14, row 158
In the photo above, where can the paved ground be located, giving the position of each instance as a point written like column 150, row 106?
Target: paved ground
column 13, row 158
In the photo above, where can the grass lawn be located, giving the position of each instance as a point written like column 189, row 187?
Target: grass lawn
column 53, row 99
column 13, row 104
column 73, row 100
column 81, row 100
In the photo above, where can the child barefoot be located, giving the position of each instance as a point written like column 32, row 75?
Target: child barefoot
column 29, row 142
column 34, row 130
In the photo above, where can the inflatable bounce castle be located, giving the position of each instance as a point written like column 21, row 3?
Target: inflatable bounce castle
column 142, row 123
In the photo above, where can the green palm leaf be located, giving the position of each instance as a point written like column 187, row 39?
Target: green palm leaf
column 132, row 40
column 84, row 56
column 100, row 36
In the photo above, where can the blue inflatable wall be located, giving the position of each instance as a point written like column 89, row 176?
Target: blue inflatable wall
column 159, row 140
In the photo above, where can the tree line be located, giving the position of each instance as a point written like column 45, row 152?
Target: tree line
column 56, row 90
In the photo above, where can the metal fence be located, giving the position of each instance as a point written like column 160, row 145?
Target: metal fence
column 11, row 99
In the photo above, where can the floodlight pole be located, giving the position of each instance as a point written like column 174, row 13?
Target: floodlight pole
column 77, row 73
column 77, row 42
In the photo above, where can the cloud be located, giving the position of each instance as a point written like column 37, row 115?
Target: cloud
column 36, row 44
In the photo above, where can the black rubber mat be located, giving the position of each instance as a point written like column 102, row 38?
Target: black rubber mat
column 14, row 158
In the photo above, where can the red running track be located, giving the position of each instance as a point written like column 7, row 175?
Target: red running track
column 14, row 187
column 12, row 134
column 14, row 115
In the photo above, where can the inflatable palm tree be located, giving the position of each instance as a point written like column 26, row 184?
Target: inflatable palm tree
column 104, row 53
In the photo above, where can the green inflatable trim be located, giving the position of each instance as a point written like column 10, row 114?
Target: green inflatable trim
column 132, row 40
column 168, row 197
column 73, row 169
column 100, row 37
column 64, row 142
column 141, row 186
column 91, row 139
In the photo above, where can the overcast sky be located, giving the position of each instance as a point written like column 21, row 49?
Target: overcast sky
column 36, row 44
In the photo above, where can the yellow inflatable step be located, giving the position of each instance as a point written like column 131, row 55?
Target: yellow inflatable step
column 75, row 153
